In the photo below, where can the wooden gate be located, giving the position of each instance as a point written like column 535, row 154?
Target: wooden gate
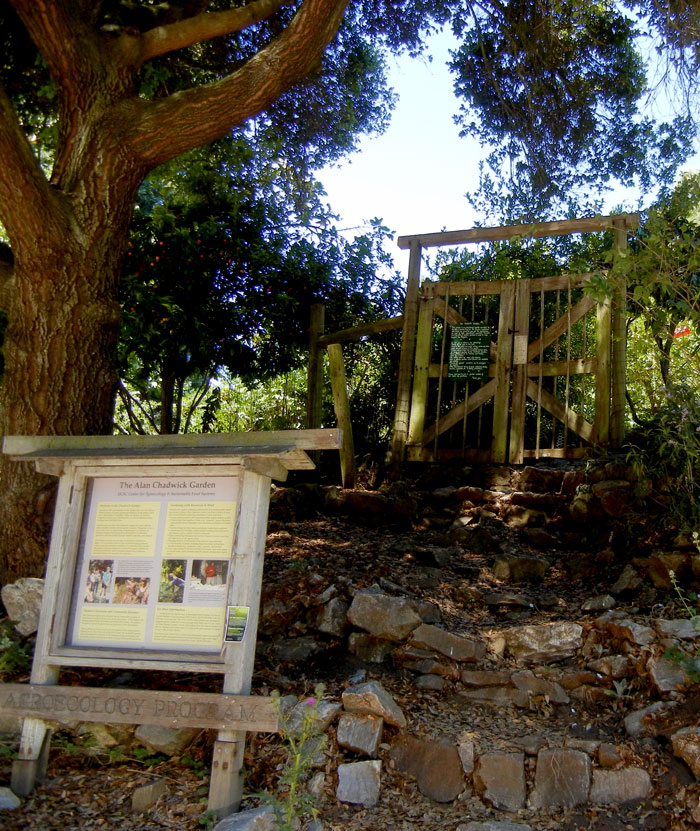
column 545, row 389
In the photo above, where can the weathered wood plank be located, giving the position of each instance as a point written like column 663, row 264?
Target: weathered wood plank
column 421, row 370
column 362, row 330
column 504, row 360
column 456, row 414
column 408, row 343
column 314, row 373
column 577, row 366
column 341, row 405
column 575, row 422
column 478, row 288
column 602, row 379
column 532, row 230
column 192, row 444
column 124, row 706
column 557, row 329
column 521, row 323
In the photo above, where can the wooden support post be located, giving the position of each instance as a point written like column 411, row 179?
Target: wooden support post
column 226, row 782
column 504, row 357
column 408, row 342
column 520, row 343
column 602, row 375
column 618, row 367
column 341, row 404
column 421, row 374
column 314, row 385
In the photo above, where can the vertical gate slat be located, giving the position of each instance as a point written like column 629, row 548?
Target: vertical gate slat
column 419, row 398
column 521, row 323
column 504, row 357
column 602, row 379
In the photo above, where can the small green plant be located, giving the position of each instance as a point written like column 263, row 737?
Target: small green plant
column 304, row 741
column 15, row 653
column 208, row 820
column 689, row 663
column 7, row 751
column 147, row 757
column 199, row 768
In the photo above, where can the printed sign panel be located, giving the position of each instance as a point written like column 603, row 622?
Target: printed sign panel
column 154, row 563
column 470, row 350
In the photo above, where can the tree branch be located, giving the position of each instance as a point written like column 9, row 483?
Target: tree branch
column 21, row 179
column 203, row 27
column 162, row 129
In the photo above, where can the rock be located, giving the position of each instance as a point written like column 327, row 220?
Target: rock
column 320, row 715
column 361, row 733
column 630, row 631
column 359, row 783
column 601, row 603
column 256, row 819
column 430, row 682
column 686, row 745
column 332, row 617
column 521, row 601
column 431, row 666
column 530, row 745
column 629, row 581
column 635, row 721
column 466, row 753
column 562, row 777
column 520, row 569
column 368, row 648
column 618, row 786
column 167, row 740
column 614, row 666
column 367, row 507
column 518, row 516
column 544, row 643
column 493, row 825
column 372, row 698
column 453, row 646
column 539, row 480
column 539, row 687
column 584, row 508
column 614, row 496
column 545, row 502
column 383, row 616
column 8, row 800
column 497, row 696
column 667, row 674
column 22, row 601
column 100, row 733
column 296, row 649
column 147, row 795
column 500, row 779
column 435, row 765
column 608, row 755
column 539, row 538
column 662, row 565
column 685, row 629
column 429, row 612
column 485, row 677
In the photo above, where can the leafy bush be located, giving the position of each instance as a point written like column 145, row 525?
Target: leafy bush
column 667, row 450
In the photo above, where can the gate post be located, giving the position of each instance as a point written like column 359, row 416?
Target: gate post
column 619, row 340
column 408, row 342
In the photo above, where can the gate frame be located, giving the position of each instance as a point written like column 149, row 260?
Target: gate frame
column 620, row 224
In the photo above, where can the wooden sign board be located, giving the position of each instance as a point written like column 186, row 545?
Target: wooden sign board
column 208, row 711
column 470, row 352
column 156, row 559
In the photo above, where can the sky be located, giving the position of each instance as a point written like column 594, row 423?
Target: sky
column 414, row 176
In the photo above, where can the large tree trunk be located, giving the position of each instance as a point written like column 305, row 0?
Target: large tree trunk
column 68, row 236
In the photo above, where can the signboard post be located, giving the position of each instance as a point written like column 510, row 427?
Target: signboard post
column 155, row 562
column 470, row 351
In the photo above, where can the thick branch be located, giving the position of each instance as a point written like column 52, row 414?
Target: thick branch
column 22, row 183
column 7, row 272
column 203, row 27
column 165, row 128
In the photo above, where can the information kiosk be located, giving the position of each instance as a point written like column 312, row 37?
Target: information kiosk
column 155, row 562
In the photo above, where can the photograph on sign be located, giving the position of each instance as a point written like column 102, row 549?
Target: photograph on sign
column 469, row 353
column 154, row 563
column 236, row 622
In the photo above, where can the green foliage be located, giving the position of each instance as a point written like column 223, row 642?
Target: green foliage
column 689, row 663
column 667, row 450
column 291, row 803
column 15, row 652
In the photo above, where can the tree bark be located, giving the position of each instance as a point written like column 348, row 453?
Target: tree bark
column 68, row 236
